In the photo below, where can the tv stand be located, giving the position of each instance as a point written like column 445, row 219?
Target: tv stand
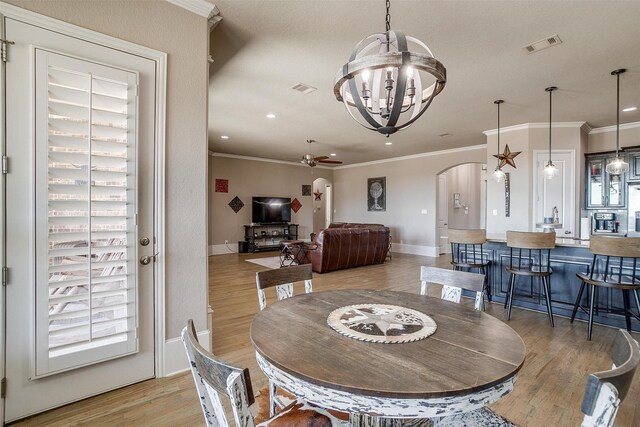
column 267, row 237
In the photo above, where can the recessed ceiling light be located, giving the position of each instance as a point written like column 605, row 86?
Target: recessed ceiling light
column 445, row 135
column 271, row 116
column 388, row 143
column 332, row 154
column 224, row 137
column 626, row 110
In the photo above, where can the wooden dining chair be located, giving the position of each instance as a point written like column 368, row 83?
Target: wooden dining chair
column 610, row 271
column 453, row 282
column 214, row 378
column 283, row 279
column 602, row 395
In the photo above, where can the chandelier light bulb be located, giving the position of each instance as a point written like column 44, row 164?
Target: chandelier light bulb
column 550, row 170
column 498, row 174
column 409, row 72
column 365, row 75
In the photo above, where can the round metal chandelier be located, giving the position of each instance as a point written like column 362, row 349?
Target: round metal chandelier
column 385, row 86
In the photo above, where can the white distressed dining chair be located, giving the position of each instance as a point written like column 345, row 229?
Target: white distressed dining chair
column 214, row 378
column 453, row 282
column 283, row 279
column 602, row 395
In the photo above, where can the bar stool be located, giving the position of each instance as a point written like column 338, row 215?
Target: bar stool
column 606, row 273
column 536, row 263
column 467, row 253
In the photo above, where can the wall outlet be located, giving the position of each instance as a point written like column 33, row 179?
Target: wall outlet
column 423, row 211
column 226, row 242
column 495, row 212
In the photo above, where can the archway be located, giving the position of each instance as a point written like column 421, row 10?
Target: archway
column 461, row 200
column 323, row 208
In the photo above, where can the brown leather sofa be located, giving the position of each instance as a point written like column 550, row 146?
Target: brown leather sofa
column 346, row 245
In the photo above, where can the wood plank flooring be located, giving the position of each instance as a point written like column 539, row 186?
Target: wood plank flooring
column 548, row 391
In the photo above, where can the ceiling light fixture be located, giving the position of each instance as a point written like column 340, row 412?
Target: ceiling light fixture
column 224, row 137
column 618, row 165
column 333, row 154
column 626, row 110
column 271, row 116
column 388, row 143
column 383, row 83
column 498, row 174
column 550, row 169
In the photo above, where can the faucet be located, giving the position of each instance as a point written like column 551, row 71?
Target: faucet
column 554, row 215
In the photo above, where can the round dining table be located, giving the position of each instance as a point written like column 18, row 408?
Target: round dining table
column 470, row 361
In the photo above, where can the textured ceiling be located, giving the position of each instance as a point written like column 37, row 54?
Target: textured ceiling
column 262, row 48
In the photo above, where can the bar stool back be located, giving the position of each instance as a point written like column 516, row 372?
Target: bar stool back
column 609, row 270
column 467, row 252
column 536, row 263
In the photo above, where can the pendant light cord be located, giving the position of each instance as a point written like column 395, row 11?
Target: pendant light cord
column 498, row 102
column 550, row 106
column 388, row 16
column 617, row 113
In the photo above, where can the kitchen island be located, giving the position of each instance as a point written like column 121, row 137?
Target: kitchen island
column 569, row 257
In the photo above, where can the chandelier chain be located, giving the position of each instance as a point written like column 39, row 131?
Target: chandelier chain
column 388, row 16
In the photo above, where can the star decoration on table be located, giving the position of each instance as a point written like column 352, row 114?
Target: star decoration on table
column 318, row 195
column 381, row 323
column 506, row 158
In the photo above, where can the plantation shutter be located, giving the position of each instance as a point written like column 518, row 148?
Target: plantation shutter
column 85, row 213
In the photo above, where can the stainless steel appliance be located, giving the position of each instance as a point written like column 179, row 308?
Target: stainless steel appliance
column 605, row 222
column 633, row 204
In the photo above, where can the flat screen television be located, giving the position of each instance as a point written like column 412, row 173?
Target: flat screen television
column 271, row 210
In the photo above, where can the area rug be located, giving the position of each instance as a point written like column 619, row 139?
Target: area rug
column 269, row 262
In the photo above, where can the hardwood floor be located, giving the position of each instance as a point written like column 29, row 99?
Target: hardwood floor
column 548, row 391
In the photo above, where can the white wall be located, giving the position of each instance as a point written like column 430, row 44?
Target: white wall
column 249, row 178
column 411, row 187
column 527, row 138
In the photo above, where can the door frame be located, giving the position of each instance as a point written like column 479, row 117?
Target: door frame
column 573, row 187
column 160, row 59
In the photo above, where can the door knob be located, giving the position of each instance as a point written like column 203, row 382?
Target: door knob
column 145, row 241
column 146, row 260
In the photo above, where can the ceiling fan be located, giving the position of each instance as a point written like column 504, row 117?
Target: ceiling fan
column 311, row 160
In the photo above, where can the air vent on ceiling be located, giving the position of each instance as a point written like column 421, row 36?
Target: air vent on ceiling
column 553, row 40
column 301, row 87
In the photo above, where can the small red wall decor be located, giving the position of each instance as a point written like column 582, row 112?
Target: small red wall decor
column 222, row 185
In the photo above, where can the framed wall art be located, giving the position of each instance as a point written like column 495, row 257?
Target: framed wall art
column 377, row 194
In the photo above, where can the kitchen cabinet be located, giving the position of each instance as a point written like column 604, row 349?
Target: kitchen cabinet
column 604, row 190
column 634, row 165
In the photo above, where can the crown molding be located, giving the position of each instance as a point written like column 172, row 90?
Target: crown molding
column 415, row 156
column 606, row 129
column 525, row 126
column 199, row 7
column 260, row 159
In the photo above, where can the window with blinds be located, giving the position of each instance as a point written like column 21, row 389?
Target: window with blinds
column 86, row 308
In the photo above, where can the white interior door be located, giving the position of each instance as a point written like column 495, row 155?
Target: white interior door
column 557, row 192
column 443, row 214
column 80, row 145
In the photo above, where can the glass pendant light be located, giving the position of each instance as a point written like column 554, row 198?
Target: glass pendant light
column 550, row 169
column 498, row 174
column 618, row 165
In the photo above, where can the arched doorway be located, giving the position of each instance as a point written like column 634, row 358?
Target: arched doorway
column 323, row 208
column 461, row 201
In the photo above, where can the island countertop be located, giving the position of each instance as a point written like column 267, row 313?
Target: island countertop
column 567, row 242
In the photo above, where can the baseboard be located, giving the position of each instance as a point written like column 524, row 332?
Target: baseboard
column 432, row 251
column 223, row 249
column 175, row 357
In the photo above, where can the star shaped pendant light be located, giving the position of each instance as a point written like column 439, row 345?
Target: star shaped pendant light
column 507, row 156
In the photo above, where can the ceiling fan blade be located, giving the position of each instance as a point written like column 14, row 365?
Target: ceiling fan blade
column 335, row 162
column 320, row 158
